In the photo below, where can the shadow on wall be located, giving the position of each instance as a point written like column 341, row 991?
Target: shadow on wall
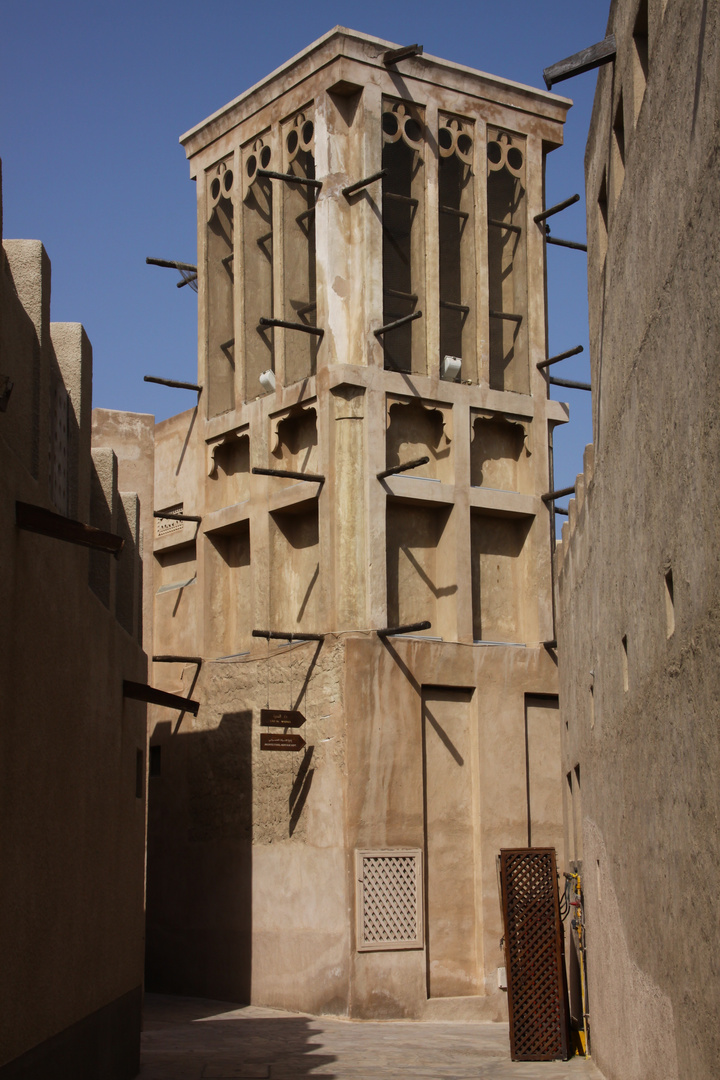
column 199, row 860
column 228, row 1042
column 296, row 439
column 199, row 849
column 415, row 429
column 495, row 453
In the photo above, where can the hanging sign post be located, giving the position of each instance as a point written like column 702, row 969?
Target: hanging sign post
column 275, row 741
column 281, row 718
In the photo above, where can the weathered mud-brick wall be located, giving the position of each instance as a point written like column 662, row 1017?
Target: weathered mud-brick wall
column 639, row 589
column 72, row 750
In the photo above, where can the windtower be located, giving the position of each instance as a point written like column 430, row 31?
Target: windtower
column 368, row 453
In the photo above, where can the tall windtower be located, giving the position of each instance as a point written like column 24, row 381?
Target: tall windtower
column 368, row 454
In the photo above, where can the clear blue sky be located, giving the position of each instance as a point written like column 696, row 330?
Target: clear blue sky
column 93, row 98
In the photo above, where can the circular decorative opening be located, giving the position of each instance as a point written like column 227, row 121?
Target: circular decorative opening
column 494, row 152
column 464, row 143
column 251, row 165
column 227, row 181
column 292, row 141
column 390, row 123
column 215, row 188
column 445, row 138
column 515, row 158
column 307, row 131
column 413, row 131
column 265, row 155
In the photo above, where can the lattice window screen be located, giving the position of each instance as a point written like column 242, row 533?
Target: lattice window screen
column 167, row 525
column 537, row 1000
column 389, row 900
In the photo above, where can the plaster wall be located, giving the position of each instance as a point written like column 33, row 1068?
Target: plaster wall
column 72, row 805
column 637, row 570
column 131, row 437
column 418, row 744
column 216, row 892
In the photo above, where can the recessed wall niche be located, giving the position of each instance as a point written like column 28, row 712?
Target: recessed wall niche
column 348, row 509
column 503, row 602
column 175, row 609
column 220, row 287
column 403, row 219
column 177, row 567
column 456, row 228
column 421, row 569
column 294, row 439
column 257, row 249
column 228, row 590
column 229, row 470
column 299, row 279
column 507, row 262
column 449, row 735
column 294, row 568
column 416, row 429
column 499, row 454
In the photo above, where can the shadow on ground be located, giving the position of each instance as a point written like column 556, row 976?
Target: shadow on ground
column 192, row 1039
column 196, row 1039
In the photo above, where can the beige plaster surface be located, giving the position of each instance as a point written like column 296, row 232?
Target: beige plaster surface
column 72, row 827
column 252, row 879
column 640, row 717
column 132, row 438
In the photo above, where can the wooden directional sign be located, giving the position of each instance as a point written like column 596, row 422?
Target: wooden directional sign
column 281, row 742
column 281, row 718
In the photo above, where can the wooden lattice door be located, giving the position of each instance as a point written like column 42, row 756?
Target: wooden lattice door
column 537, row 998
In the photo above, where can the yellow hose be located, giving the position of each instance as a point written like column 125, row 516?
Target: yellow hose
column 579, row 928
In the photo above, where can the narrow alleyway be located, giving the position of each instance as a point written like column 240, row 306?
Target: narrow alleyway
column 194, row 1039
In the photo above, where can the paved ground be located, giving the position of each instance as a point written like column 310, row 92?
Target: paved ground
column 192, row 1039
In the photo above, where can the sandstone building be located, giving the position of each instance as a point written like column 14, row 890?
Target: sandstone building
column 72, row 748
column 639, row 587
column 346, row 329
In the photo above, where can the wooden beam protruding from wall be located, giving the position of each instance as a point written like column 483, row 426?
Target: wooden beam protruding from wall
column 143, row 692
column 602, row 53
column 38, row 519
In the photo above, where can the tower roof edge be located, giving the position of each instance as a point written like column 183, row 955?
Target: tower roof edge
column 369, row 49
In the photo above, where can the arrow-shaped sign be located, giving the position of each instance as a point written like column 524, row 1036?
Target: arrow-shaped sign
column 281, row 742
column 281, row 718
